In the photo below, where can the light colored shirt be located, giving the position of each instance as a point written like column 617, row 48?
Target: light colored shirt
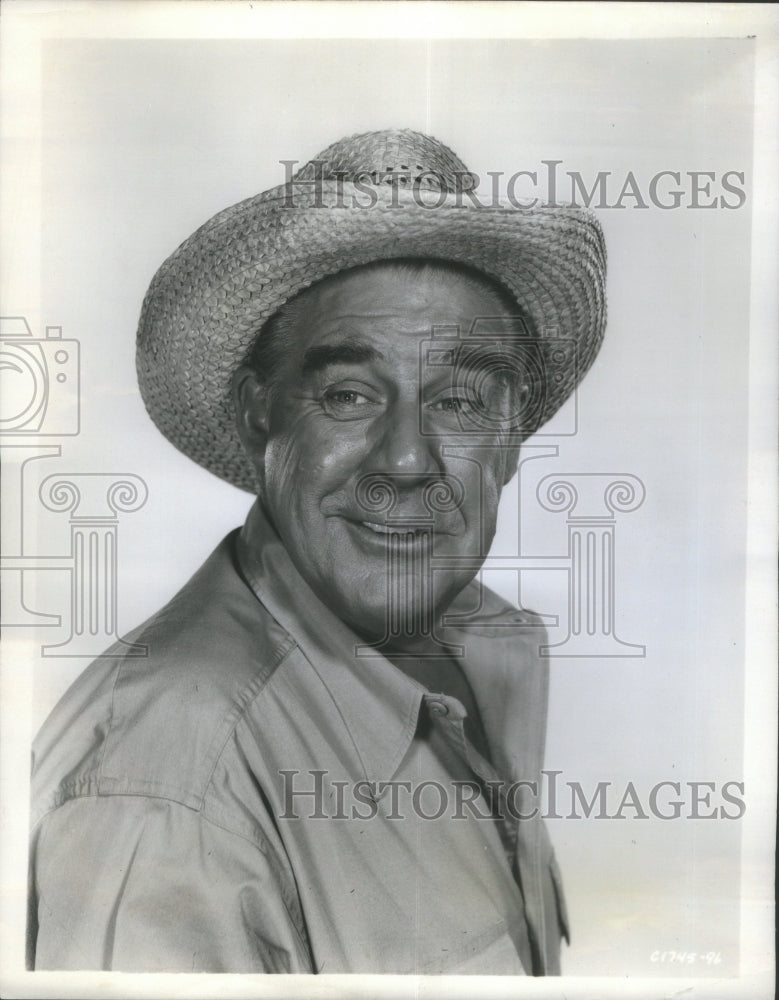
column 174, row 827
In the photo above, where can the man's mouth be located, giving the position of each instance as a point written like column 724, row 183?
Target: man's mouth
column 380, row 534
column 395, row 529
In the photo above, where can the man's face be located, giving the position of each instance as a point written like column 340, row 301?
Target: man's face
column 351, row 408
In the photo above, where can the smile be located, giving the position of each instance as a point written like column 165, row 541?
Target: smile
column 377, row 538
column 394, row 529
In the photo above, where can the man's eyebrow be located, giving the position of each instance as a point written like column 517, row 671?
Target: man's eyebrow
column 347, row 352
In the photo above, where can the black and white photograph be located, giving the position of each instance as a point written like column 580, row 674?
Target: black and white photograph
column 388, row 437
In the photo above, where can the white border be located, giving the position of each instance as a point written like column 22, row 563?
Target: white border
column 23, row 27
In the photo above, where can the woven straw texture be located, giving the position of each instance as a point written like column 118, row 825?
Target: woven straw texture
column 209, row 299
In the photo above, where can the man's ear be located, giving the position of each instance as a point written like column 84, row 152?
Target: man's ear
column 513, row 449
column 250, row 398
column 512, row 460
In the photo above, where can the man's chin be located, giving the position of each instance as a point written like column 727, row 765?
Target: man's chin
column 406, row 624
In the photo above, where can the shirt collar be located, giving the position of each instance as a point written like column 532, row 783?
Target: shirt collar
column 378, row 703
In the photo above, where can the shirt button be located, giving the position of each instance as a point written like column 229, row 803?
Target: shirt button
column 438, row 708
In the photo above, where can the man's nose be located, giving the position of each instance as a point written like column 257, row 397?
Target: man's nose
column 400, row 447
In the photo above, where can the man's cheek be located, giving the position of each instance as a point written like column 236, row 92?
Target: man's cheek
column 482, row 488
column 281, row 460
column 493, row 471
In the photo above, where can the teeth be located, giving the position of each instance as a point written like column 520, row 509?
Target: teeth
column 380, row 529
column 385, row 529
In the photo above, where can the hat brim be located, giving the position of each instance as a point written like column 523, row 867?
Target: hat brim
column 208, row 301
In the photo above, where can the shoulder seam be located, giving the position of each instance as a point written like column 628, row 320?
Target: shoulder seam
column 92, row 793
column 195, row 796
column 286, row 880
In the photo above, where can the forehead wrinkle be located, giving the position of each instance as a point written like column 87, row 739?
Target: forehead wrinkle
column 410, row 322
column 349, row 351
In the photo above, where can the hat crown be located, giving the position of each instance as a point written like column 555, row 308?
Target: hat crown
column 391, row 156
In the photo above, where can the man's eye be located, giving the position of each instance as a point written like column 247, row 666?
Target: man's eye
column 453, row 404
column 347, row 397
column 345, row 403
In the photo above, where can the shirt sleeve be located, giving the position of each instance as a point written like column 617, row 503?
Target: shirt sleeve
column 556, row 922
column 138, row 884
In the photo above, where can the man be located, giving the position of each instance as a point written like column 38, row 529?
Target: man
column 326, row 761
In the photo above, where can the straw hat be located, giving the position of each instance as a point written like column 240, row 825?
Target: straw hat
column 210, row 298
